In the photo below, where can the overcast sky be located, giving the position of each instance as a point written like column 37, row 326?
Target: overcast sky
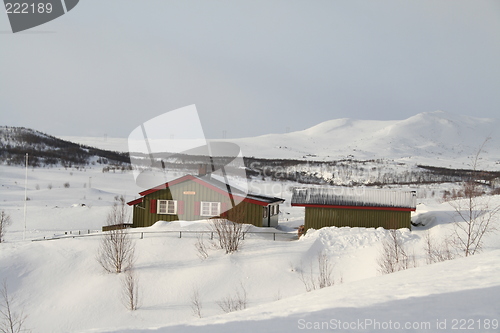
column 251, row 67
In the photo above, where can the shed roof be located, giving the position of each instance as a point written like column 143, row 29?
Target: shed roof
column 354, row 198
column 214, row 184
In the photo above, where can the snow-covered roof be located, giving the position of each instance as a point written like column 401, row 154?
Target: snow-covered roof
column 222, row 186
column 213, row 183
column 357, row 197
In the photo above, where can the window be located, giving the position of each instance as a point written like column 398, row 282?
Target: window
column 167, row 207
column 210, row 208
column 264, row 212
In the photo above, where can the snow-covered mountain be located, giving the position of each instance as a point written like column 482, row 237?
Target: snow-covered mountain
column 434, row 138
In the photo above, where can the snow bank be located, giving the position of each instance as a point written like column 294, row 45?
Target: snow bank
column 62, row 288
column 462, row 290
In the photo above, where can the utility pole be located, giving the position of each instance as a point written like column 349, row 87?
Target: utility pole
column 25, row 196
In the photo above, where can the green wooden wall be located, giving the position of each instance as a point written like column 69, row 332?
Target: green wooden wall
column 317, row 218
column 244, row 212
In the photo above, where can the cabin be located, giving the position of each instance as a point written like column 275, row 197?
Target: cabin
column 191, row 198
column 355, row 207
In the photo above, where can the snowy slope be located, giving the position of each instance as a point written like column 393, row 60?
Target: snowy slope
column 46, row 150
column 61, row 288
column 433, row 138
column 444, row 297
column 107, row 143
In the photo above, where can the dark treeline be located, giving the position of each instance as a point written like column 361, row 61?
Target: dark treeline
column 46, row 150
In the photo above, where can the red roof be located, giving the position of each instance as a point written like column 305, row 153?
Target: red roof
column 135, row 202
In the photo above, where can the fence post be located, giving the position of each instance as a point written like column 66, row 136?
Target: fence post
column 180, row 234
column 274, row 236
column 142, row 235
column 211, row 235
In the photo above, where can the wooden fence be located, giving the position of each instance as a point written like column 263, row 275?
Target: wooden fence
column 271, row 235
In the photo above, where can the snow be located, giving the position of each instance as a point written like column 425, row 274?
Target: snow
column 59, row 284
column 61, row 287
column 106, row 143
column 422, row 298
column 431, row 138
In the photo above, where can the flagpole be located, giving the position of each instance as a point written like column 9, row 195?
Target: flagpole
column 25, row 196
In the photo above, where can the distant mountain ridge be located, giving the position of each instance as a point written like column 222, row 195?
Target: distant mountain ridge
column 47, row 150
column 438, row 138
column 433, row 138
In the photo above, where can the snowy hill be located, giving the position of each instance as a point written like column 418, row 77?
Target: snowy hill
column 433, row 138
column 47, row 150
column 438, row 298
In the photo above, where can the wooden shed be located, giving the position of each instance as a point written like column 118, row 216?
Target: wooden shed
column 355, row 207
column 192, row 198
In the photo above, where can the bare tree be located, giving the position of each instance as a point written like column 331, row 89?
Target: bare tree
column 323, row 279
column 11, row 322
column 394, row 255
column 5, row 221
column 120, row 213
column 307, row 279
column 476, row 214
column 117, row 249
column 235, row 302
column 130, row 291
column 196, row 304
column 437, row 251
column 325, row 273
column 201, row 247
column 230, row 235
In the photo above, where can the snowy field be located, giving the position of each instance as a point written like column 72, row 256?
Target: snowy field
column 61, row 288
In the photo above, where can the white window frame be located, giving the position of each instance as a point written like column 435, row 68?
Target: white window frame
column 166, row 212
column 213, row 207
